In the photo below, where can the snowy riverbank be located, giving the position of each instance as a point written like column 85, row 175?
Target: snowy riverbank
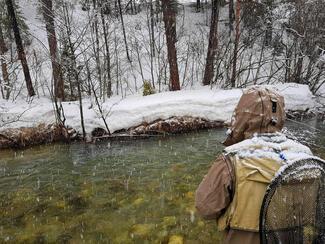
column 212, row 105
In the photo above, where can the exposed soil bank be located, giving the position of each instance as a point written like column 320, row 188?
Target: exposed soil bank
column 19, row 138
column 171, row 126
column 305, row 114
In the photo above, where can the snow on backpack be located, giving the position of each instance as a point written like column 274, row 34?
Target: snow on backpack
column 293, row 209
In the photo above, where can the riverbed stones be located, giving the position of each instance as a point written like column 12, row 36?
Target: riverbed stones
column 176, row 239
column 169, row 221
column 137, row 202
column 141, row 230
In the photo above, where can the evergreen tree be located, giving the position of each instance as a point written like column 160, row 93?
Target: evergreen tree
column 6, row 24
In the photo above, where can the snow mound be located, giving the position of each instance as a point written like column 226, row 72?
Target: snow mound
column 214, row 105
column 297, row 97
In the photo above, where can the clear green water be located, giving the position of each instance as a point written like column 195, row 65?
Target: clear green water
column 118, row 192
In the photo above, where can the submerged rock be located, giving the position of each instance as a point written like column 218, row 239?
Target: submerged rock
column 123, row 238
column 77, row 202
column 64, row 238
column 141, row 230
column 169, row 221
column 138, row 201
column 189, row 195
column 176, row 239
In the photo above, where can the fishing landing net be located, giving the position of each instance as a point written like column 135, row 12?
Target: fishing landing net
column 293, row 209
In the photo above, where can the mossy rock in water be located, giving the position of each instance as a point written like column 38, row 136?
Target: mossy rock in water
column 119, row 185
column 176, row 239
column 169, row 221
column 123, row 238
column 64, row 238
column 200, row 224
column 24, row 195
column 189, row 195
column 112, row 204
column 61, row 204
column 17, row 204
column 142, row 230
column 162, row 236
column 86, row 193
column 76, row 202
column 177, row 167
column 137, row 202
column 28, row 237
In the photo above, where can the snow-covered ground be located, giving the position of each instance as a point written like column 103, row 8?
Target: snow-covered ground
column 215, row 104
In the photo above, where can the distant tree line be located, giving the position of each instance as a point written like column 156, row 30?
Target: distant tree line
column 119, row 44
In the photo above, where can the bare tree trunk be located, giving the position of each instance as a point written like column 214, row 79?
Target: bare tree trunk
column 108, row 56
column 20, row 48
column 259, row 65
column 4, row 68
column 100, row 109
column 269, row 28
column 298, row 71
column 1, row 89
column 96, row 49
column 299, row 47
column 198, row 5
column 169, row 16
column 234, row 64
column 75, row 71
column 288, row 60
column 80, row 106
column 213, row 44
column 231, row 16
column 47, row 7
column 117, row 62
column 137, row 49
column 123, row 28
column 152, row 24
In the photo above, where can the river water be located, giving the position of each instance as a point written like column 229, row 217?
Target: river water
column 116, row 192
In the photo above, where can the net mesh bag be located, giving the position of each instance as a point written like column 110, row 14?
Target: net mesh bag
column 293, row 209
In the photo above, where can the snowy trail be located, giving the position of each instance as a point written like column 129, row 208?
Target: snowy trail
column 214, row 105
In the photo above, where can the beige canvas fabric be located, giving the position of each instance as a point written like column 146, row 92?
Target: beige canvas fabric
column 259, row 110
column 253, row 175
column 214, row 195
